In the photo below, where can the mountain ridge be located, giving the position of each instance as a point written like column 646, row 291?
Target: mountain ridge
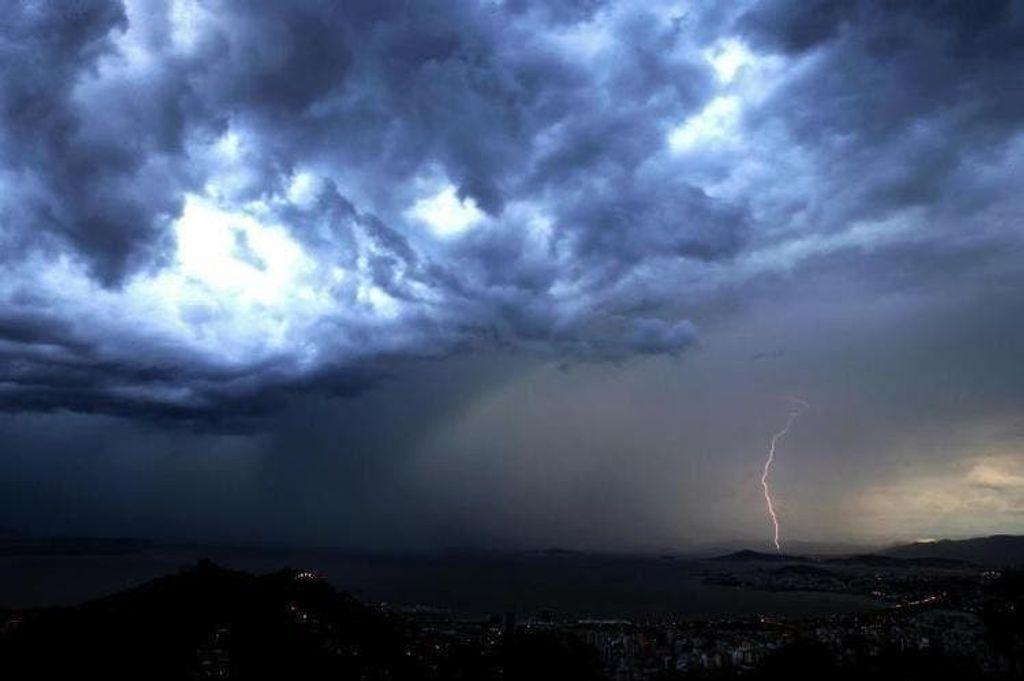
column 996, row 549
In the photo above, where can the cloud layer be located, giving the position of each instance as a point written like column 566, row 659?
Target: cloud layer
column 208, row 207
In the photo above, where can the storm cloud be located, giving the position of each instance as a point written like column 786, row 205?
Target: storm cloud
column 212, row 211
column 253, row 197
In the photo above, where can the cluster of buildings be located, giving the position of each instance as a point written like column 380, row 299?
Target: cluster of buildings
column 636, row 652
column 631, row 652
column 946, row 615
column 894, row 586
column 213, row 661
column 910, row 619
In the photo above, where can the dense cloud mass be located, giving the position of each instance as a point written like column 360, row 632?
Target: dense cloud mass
column 250, row 198
column 214, row 210
column 206, row 203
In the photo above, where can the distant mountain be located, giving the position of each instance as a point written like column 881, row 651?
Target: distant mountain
column 1000, row 549
column 863, row 559
column 993, row 550
column 748, row 556
column 795, row 547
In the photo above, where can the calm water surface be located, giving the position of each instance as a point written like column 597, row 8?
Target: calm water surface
column 599, row 586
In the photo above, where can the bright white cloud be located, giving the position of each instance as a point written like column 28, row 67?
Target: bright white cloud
column 233, row 254
column 714, row 125
column 303, row 188
column 445, row 213
column 727, row 57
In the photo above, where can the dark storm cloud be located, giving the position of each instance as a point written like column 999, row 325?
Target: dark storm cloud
column 100, row 110
column 903, row 102
column 98, row 161
column 321, row 138
column 434, row 273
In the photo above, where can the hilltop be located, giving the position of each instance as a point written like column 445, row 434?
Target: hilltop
column 748, row 556
column 206, row 622
column 999, row 549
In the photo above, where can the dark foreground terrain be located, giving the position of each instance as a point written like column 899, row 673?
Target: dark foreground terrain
column 210, row 623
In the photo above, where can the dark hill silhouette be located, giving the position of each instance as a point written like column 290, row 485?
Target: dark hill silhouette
column 210, row 623
column 204, row 621
column 865, row 559
column 748, row 556
column 1000, row 549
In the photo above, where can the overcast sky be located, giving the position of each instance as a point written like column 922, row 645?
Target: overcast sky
column 511, row 273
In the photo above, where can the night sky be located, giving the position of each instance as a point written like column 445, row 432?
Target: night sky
column 413, row 274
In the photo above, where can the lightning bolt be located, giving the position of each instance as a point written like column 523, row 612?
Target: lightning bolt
column 799, row 407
